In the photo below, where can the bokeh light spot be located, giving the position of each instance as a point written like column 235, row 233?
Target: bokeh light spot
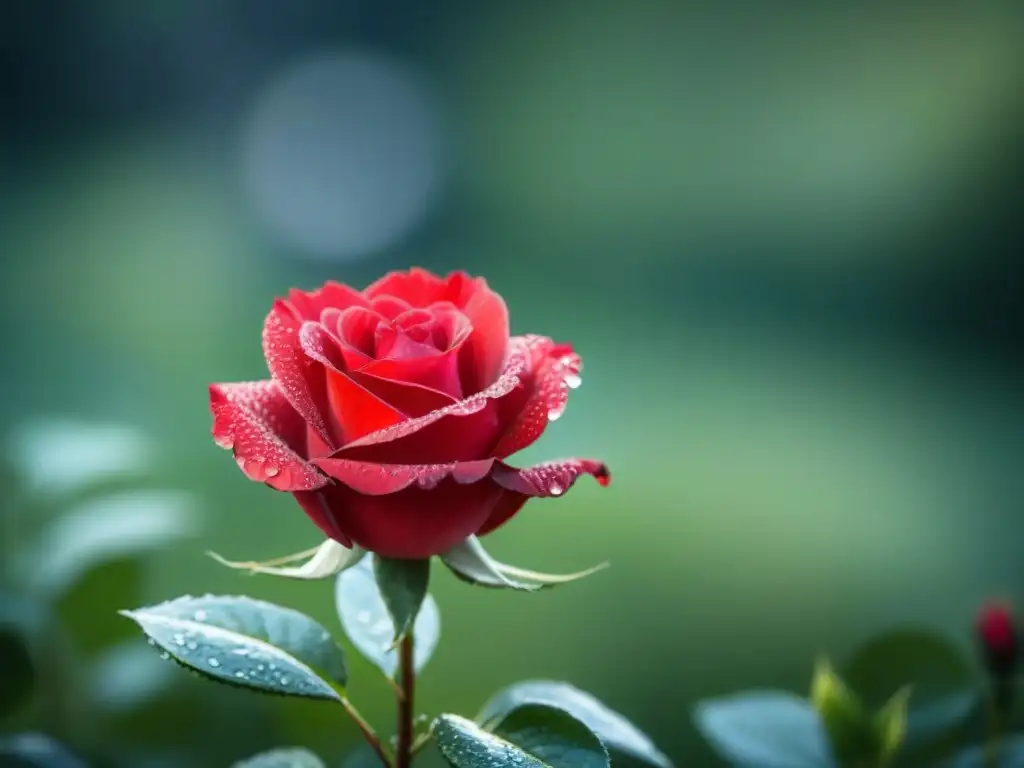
column 342, row 155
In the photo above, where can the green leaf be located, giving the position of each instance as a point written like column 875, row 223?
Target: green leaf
column 128, row 523
column 941, row 716
column 368, row 625
column 58, row 456
column 553, row 736
column 288, row 757
column 622, row 739
column 471, row 562
column 34, row 750
column 765, row 729
column 548, row 737
column 128, row 676
column 246, row 642
column 928, row 662
column 890, row 724
column 1010, row 754
column 403, row 585
column 848, row 724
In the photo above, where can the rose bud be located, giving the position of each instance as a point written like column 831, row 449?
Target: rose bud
column 389, row 412
column 998, row 637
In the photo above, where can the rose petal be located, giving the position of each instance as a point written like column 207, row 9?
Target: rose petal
column 412, row 523
column 417, row 287
column 301, row 379
column 541, row 481
column 457, row 432
column 414, row 400
column 378, row 479
column 314, row 504
column 355, row 411
column 483, row 356
column 311, row 304
column 356, row 329
column 554, row 369
column 389, row 306
column 265, row 434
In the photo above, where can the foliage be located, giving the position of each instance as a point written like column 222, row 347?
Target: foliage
column 79, row 517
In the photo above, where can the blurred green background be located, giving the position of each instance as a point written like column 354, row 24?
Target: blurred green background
column 785, row 240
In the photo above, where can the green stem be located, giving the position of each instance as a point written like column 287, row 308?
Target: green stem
column 367, row 730
column 406, row 702
column 994, row 732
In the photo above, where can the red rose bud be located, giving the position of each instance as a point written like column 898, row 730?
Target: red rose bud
column 389, row 412
column 998, row 636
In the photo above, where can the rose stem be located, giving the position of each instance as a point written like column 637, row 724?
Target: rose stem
column 407, row 681
column 367, row 730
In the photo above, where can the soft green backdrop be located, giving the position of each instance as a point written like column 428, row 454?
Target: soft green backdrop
column 759, row 228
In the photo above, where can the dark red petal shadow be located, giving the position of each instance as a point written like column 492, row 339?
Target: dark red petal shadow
column 265, row 434
column 412, row 523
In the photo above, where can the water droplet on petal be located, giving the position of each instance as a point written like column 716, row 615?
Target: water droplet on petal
column 556, row 413
column 556, row 490
column 272, row 471
column 572, row 381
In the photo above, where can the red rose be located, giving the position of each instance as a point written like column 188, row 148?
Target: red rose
column 389, row 411
column 997, row 632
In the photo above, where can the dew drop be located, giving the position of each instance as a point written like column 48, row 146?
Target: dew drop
column 240, row 675
column 272, row 471
column 179, row 640
column 572, row 381
column 556, row 489
column 556, row 413
column 284, row 680
column 151, row 641
column 192, row 645
column 213, row 662
column 199, row 615
column 165, row 655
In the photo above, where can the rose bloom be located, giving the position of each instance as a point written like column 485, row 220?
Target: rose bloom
column 389, row 411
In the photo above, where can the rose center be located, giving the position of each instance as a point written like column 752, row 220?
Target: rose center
column 412, row 333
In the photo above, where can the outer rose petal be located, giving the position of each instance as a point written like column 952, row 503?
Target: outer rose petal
column 311, row 304
column 418, row 287
column 412, row 523
column 264, row 432
column 551, row 478
column 381, row 479
column 526, row 414
column 300, row 378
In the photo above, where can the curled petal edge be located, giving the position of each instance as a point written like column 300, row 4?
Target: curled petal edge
column 325, row 561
